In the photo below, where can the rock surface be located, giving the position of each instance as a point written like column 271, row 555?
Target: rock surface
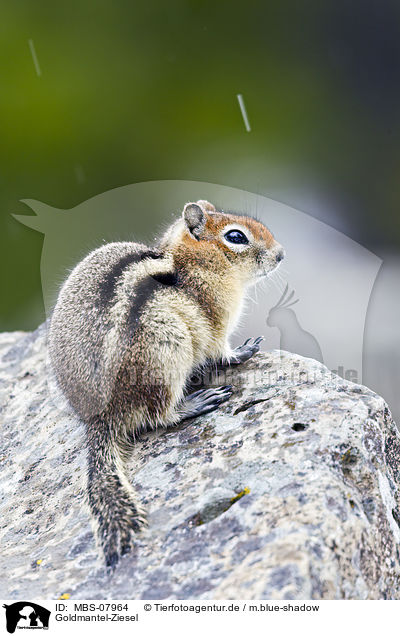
column 289, row 491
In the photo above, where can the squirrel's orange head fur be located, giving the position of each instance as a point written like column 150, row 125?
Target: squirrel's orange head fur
column 220, row 241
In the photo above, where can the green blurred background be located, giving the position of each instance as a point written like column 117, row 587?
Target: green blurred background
column 131, row 92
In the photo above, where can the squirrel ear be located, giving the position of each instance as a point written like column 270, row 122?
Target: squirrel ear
column 206, row 205
column 194, row 218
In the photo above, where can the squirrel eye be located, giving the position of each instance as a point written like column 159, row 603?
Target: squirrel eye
column 236, row 236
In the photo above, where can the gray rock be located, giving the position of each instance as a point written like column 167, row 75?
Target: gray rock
column 289, row 491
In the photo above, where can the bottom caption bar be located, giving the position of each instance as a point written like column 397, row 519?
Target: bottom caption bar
column 176, row 617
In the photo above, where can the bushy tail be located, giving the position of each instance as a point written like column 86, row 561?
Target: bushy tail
column 111, row 496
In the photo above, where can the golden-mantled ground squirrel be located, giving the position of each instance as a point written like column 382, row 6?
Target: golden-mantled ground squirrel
column 130, row 327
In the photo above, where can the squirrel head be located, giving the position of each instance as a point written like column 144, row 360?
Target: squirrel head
column 218, row 240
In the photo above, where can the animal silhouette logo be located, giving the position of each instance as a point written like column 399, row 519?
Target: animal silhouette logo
column 293, row 337
column 337, row 271
column 26, row 615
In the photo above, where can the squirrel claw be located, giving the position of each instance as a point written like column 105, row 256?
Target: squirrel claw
column 204, row 401
column 246, row 350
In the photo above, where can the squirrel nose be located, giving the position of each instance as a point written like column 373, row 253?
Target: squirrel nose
column 280, row 255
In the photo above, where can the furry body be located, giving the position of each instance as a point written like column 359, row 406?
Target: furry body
column 131, row 325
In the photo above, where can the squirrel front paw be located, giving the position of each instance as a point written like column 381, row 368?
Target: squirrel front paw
column 246, row 350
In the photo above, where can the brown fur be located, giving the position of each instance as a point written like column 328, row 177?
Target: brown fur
column 130, row 326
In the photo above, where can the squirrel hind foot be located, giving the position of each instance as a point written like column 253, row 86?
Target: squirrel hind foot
column 204, row 401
